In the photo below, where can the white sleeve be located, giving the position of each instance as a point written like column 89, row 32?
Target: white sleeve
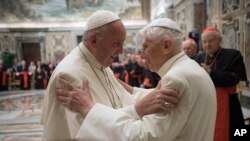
column 139, row 93
column 105, row 129
column 107, row 124
column 131, row 111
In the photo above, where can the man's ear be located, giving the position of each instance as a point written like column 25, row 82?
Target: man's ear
column 167, row 45
column 92, row 39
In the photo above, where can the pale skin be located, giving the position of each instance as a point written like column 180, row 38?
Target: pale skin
column 189, row 48
column 80, row 100
column 211, row 41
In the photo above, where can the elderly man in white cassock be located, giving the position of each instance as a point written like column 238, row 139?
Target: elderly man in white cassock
column 193, row 118
column 103, row 40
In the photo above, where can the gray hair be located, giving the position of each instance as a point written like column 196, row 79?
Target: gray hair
column 98, row 30
column 158, row 34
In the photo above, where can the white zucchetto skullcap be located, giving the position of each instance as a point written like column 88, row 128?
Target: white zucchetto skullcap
column 165, row 22
column 100, row 18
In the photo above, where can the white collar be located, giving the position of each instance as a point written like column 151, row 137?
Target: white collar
column 168, row 64
column 90, row 58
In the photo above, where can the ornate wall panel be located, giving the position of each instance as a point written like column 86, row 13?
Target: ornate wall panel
column 246, row 3
column 236, row 27
column 247, row 42
column 58, row 44
column 7, row 43
column 229, row 6
column 231, row 34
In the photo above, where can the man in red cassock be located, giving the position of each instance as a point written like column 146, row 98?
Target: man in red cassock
column 226, row 68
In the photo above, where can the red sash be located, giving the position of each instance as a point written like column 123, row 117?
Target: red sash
column 222, row 117
column 147, row 82
column 44, row 83
column 117, row 75
column 4, row 78
column 25, row 79
column 126, row 78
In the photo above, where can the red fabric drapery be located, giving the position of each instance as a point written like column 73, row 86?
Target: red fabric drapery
column 222, row 117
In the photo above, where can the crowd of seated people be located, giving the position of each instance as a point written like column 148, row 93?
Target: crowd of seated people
column 22, row 76
column 134, row 72
column 25, row 77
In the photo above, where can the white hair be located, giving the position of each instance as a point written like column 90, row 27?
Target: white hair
column 157, row 34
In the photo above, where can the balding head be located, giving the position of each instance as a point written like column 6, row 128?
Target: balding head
column 211, row 40
column 189, row 47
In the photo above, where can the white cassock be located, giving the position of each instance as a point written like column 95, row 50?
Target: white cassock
column 192, row 120
column 61, row 123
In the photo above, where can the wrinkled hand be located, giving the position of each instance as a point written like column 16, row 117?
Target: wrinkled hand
column 154, row 102
column 206, row 67
column 76, row 99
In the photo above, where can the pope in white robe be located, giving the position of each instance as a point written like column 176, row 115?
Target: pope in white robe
column 60, row 122
column 193, row 119
column 80, row 64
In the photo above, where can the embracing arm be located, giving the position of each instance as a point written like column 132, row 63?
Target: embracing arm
column 80, row 100
column 138, row 93
column 105, row 120
column 126, row 86
column 113, row 125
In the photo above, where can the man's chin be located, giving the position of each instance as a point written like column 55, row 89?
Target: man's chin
column 107, row 64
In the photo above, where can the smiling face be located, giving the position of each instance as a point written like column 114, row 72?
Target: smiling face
column 108, row 42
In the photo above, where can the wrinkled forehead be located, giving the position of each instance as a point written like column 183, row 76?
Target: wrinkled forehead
column 210, row 35
column 146, row 41
column 187, row 44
